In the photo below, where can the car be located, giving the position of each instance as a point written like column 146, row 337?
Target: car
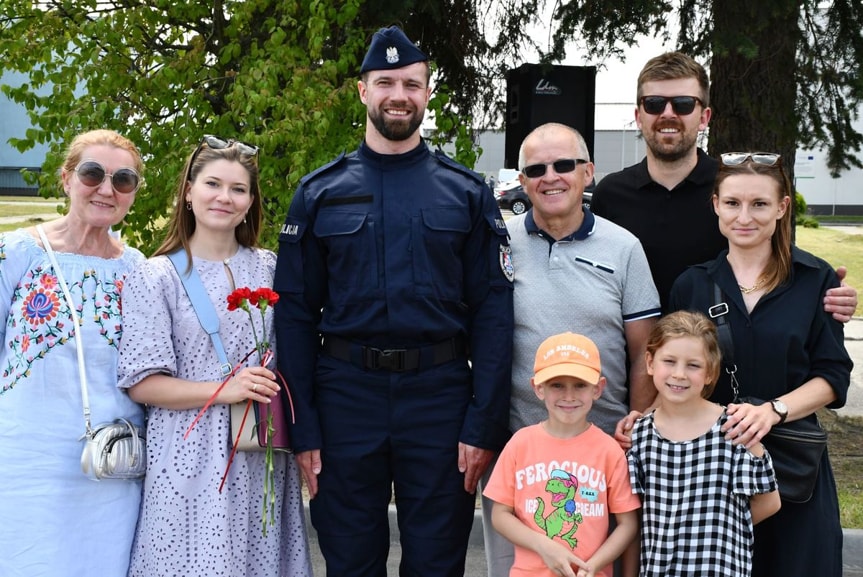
column 511, row 196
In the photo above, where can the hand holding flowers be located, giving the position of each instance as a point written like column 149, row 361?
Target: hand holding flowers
column 257, row 384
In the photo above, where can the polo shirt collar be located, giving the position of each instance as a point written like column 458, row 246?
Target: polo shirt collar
column 588, row 226
column 704, row 172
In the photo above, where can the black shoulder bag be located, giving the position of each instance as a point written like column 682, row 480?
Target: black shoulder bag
column 796, row 447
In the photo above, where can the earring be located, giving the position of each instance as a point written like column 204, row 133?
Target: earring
column 188, row 205
column 244, row 219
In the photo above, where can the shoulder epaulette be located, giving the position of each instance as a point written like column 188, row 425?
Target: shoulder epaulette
column 444, row 159
column 324, row 168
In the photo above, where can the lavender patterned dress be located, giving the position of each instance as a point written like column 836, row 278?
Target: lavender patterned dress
column 187, row 527
column 53, row 519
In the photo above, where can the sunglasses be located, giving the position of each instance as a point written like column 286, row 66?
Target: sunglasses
column 561, row 166
column 125, row 180
column 738, row 158
column 219, row 143
column 681, row 105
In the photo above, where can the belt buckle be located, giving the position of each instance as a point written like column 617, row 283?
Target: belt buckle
column 387, row 359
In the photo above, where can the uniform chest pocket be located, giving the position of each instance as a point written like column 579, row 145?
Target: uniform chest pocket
column 351, row 252
column 439, row 235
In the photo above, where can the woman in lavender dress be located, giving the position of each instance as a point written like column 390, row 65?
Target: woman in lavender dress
column 53, row 519
column 188, row 526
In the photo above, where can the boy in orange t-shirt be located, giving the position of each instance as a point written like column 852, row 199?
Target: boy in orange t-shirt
column 557, row 483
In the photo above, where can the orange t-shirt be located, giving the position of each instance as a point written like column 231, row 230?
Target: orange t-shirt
column 563, row 488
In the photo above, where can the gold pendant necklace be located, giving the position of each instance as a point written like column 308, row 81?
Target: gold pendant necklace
column 753, row 288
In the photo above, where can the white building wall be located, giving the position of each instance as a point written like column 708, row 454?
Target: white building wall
column 14, row 124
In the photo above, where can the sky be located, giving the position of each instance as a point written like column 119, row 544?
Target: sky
column 615, row 83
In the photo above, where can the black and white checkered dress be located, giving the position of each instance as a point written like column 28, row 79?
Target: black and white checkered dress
column 695, row 495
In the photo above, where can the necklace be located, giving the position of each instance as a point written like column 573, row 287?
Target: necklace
column 753, row 288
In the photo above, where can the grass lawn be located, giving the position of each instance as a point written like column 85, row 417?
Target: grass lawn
column 31, row 210
column 839, row 249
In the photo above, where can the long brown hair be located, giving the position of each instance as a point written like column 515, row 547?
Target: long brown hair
column 182, row 224
column 778, row 268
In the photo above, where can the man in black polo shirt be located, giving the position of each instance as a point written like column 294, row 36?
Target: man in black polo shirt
column 665, row 200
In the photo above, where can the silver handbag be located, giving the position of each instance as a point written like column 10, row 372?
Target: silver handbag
column 114, row 451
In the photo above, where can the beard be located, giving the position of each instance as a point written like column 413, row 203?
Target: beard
column 396, row 129
column 667, row 151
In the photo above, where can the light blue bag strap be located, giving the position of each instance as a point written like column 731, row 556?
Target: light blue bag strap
column 201, row 303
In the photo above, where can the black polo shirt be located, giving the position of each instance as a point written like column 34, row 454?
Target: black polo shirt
column 677, row 228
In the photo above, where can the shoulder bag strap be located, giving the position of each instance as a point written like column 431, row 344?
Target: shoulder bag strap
column 204, row 309
column 79, row 338
column 718, row 311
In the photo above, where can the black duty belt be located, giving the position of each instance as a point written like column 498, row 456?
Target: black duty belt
column 396, row 360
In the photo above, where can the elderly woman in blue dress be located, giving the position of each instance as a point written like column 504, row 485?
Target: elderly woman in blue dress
column 787, row 349
column 53, row 519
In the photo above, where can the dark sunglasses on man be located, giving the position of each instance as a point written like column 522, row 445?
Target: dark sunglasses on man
column 561, row 166
column 124, row 180
column 681, row 105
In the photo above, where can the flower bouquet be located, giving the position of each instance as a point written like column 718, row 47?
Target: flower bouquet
column 269, row 429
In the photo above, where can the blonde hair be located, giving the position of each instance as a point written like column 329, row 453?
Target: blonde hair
column 683, row 324
column 75, row 151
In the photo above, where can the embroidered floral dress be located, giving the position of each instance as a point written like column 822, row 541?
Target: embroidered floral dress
column 53, row 519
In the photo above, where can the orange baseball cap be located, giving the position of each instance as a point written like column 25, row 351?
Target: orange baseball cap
column 567, row 354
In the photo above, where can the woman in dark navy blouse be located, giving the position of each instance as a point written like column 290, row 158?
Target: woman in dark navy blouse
column 786, row 348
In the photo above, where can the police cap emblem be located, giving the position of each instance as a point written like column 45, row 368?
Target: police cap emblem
column 389, row 49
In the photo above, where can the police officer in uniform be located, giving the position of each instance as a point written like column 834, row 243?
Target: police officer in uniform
column 394, row 331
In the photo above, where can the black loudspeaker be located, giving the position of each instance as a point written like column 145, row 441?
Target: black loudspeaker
column 536, row 94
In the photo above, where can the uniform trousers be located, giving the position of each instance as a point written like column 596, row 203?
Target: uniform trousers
column 392, row 431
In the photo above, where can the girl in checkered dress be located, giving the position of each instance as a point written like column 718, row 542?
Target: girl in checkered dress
column 700, row 494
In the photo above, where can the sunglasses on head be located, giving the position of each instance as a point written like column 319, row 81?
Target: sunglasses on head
column 219, row 143
column 124, row 180
column 737, row 158
column 561, row 166
column 681, row 105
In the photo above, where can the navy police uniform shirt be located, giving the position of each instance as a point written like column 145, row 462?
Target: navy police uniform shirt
column 396, row 251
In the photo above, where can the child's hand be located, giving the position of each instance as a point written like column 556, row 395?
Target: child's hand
column 561, row 560
column 623, row 430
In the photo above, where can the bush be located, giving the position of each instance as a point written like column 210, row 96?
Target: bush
column 800, row 216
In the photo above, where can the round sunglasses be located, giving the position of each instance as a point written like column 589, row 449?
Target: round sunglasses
column 124, row 180
column 681, row 105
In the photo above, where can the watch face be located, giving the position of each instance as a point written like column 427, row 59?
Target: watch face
column 779, row 407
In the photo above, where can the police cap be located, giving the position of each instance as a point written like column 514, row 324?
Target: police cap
column 391, row 49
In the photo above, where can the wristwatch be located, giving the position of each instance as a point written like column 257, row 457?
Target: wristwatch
column 780, row 409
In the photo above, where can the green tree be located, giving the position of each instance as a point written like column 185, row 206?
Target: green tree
column 280, row 74
column 784, row 73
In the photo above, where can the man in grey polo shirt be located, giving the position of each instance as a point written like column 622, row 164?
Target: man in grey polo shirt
column 575, row 272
